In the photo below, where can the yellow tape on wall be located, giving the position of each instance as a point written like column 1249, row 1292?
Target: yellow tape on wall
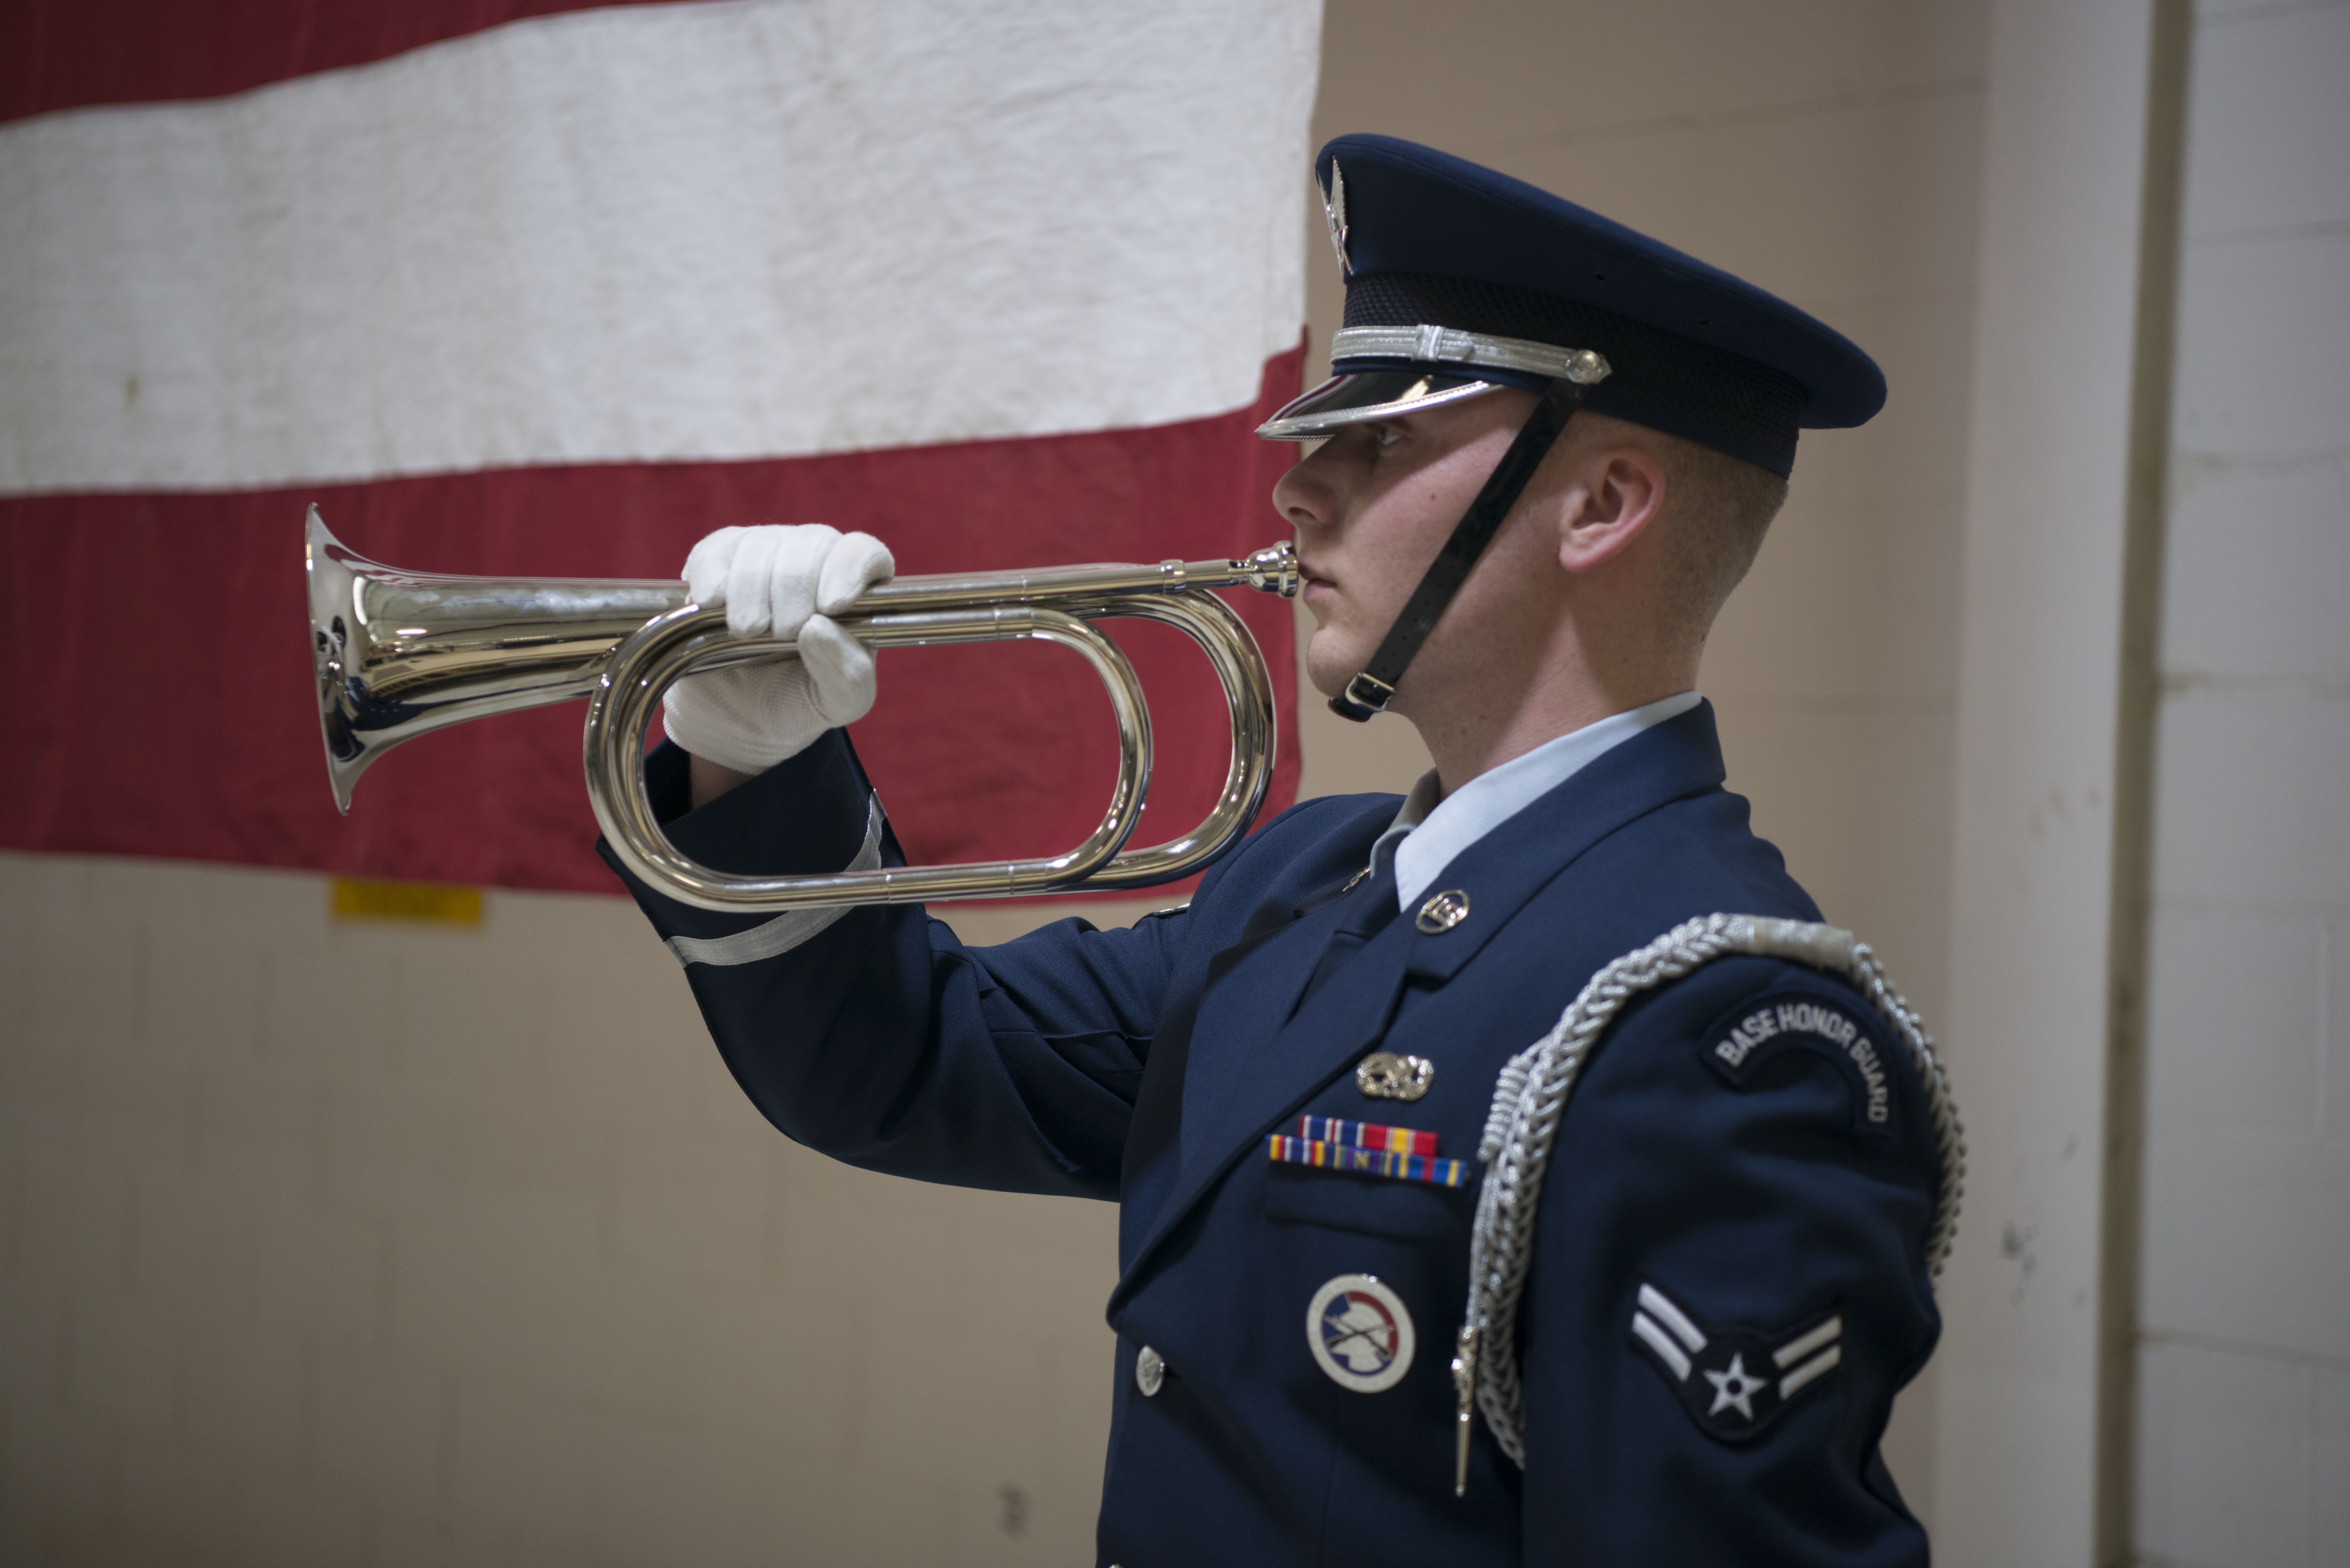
column 356, row 899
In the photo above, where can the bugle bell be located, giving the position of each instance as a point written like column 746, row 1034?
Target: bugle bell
column 399, row 654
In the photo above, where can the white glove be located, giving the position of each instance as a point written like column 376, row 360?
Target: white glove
column 777, row 582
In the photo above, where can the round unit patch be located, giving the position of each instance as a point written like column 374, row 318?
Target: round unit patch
column 1360, row 1333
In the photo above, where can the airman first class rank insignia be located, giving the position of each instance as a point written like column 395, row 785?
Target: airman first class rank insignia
column 1733, row 1384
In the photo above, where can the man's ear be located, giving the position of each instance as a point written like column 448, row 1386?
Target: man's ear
column 1616, row 499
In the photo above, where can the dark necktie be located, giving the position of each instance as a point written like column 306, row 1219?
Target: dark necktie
column 1369, row 908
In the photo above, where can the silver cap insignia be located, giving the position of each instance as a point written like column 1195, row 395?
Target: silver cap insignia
column 1334, row 210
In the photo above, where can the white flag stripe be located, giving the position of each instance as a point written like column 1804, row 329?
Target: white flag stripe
column 1657, row 1302
column 1817, row 1366
column 1654, row 1337
column 732, row 229
column 1796, row 1349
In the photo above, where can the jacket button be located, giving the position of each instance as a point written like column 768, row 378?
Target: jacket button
column 1443, row 911
column 1150, row 1372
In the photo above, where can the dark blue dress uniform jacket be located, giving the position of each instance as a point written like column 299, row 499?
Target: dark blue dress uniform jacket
column 1149, row 1066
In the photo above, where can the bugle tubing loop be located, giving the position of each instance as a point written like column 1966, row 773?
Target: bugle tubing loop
column 668, row 649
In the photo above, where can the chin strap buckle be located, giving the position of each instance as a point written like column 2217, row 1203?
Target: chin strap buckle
column 1364, row 695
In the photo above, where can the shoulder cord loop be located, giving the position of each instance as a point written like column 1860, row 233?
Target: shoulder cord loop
column 1530, row 1098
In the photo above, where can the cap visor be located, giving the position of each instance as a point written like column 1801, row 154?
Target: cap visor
column 1364, row 397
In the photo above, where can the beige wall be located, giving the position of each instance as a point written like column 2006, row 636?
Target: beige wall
column 2022, row 1457
column 2243, row 1428
column 350, row 1243
column 347, row 1243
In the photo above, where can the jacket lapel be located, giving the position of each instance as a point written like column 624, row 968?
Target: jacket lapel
column 1271, row 959
column 1244, row 1050
column 1251, row 1064
column 1256, row 1049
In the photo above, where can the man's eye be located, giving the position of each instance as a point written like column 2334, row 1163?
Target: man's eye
column 1385, row 436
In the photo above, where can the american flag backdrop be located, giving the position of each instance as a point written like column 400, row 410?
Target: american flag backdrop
column 520, row 288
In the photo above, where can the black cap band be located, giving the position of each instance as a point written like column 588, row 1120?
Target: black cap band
column 1369, row 691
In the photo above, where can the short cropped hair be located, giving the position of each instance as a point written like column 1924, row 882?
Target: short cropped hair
column 1717, row 509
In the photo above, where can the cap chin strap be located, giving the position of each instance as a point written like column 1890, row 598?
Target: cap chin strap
column 1369, row 691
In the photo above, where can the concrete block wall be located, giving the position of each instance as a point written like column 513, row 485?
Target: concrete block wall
column 2244, row 1361
column 325, row 1243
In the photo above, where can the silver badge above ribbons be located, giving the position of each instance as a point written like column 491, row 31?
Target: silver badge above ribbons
column 1385, row 1076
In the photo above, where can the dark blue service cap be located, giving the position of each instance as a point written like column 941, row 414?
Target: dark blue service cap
column 1460, row 280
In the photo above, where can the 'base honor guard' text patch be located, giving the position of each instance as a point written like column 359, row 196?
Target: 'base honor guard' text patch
column 1757, row 1032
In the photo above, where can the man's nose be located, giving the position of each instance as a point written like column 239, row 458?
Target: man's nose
column 1302, row 496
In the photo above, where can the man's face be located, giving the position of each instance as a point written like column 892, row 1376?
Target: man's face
column 1371, row 506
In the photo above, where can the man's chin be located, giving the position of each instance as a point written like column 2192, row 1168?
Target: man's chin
column 1325, row 668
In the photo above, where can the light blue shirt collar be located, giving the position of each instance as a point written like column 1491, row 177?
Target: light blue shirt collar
column 1428, row 833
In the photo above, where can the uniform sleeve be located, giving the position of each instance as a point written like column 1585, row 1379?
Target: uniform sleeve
column 1729, row 1286
column 874, row 1035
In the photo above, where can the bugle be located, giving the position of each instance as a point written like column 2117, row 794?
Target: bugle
column 399, row 654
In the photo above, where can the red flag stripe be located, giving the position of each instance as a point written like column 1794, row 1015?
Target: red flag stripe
column 163, row 707
column 72, row 54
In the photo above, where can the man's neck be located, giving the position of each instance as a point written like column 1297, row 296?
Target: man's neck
column 1467, row 739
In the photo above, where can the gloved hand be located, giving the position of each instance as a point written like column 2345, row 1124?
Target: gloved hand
column 777, row 582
